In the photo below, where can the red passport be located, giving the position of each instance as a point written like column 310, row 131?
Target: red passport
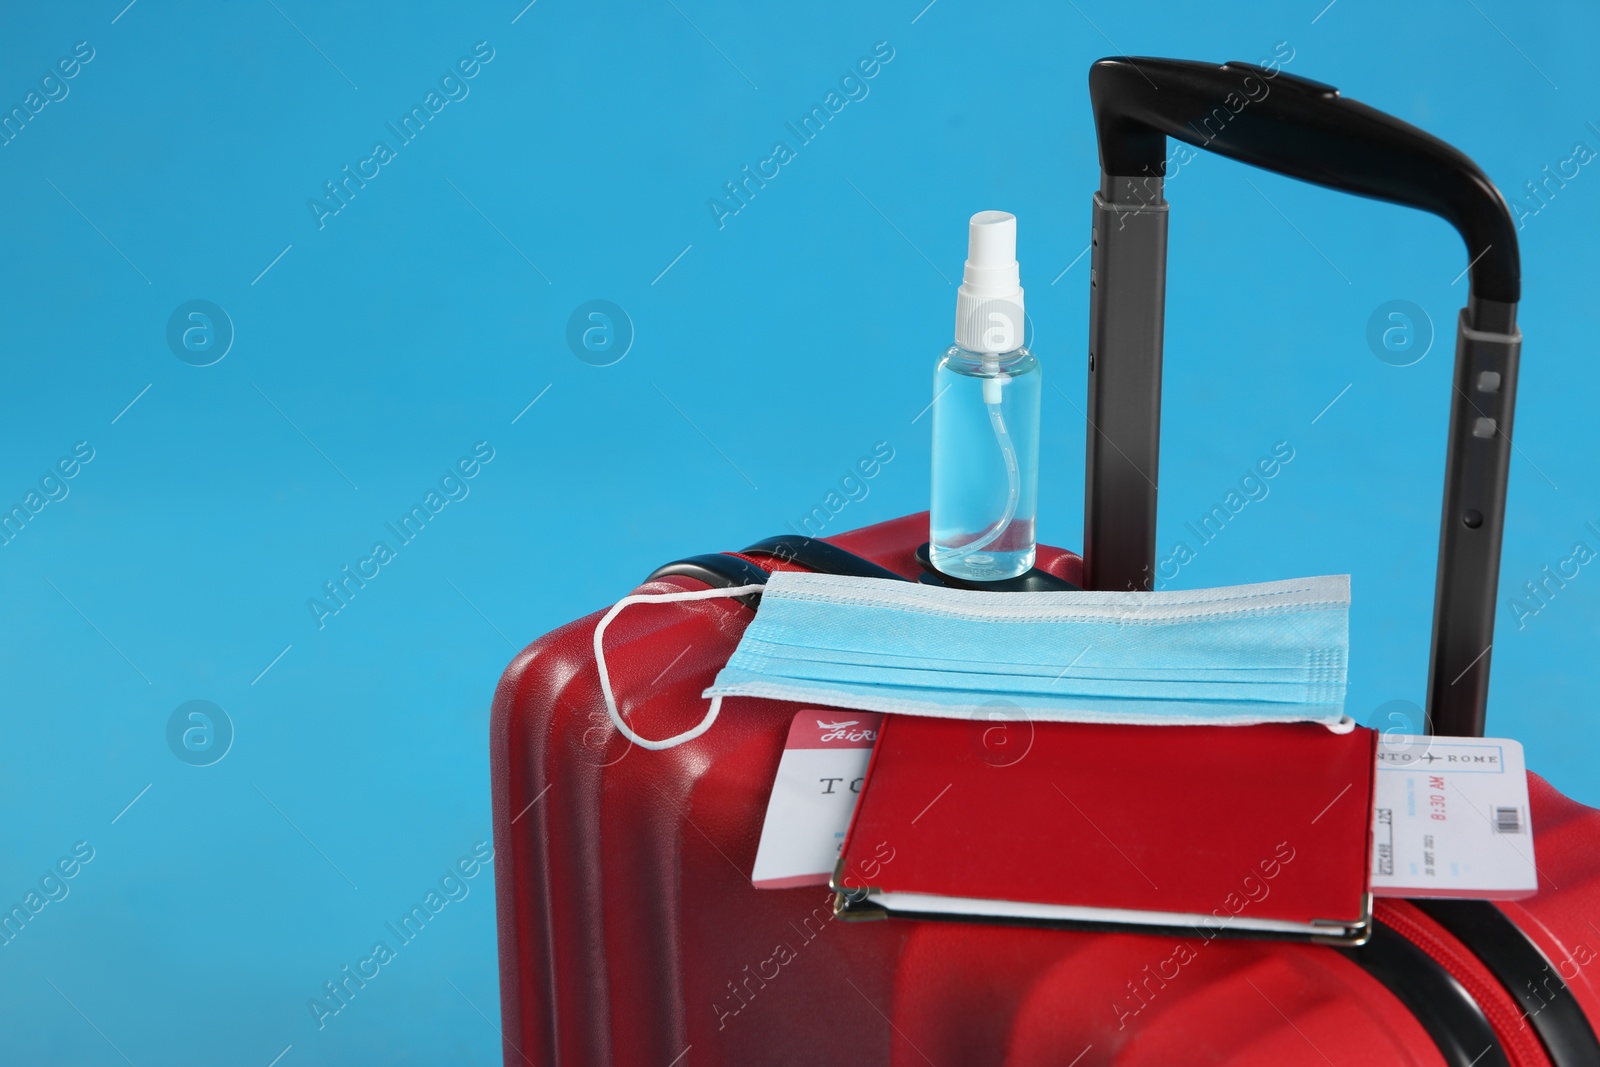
column 1248, row 830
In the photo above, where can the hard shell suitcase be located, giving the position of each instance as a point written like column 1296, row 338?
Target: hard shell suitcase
column 629, row 930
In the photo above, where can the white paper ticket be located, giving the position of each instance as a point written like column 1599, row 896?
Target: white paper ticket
column 819, row 778
column 1450, row 819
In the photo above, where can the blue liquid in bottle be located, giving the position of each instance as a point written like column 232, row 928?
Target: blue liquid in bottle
column 985, row 463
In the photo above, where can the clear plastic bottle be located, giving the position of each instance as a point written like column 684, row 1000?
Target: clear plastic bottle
column 985, row 464
column 986, row 419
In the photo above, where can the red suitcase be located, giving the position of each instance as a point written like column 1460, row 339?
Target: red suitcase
column 629, row 930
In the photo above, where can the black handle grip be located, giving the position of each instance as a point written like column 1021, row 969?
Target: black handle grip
column 1306, row 130
column 1303, row 129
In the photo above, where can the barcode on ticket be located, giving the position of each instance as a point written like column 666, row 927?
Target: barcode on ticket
column 1508, row 820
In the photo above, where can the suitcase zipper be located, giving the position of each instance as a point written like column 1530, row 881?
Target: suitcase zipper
column 1521, row 1045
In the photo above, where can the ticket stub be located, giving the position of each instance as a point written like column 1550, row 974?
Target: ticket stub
column 819, row 779
column 1450, row 819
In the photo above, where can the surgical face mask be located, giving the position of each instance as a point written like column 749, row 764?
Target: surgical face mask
column 1272, row 652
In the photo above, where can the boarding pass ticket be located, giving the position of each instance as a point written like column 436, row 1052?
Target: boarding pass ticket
column 819, row 778
column 1450, row 819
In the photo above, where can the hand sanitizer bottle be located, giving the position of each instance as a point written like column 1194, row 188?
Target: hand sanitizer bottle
column 986, row 419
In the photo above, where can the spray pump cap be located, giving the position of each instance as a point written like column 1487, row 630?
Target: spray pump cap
column 989, row 310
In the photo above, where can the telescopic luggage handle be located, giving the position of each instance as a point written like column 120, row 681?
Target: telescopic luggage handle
column 1305, row 130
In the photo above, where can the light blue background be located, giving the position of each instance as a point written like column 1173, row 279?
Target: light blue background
column 772, row 354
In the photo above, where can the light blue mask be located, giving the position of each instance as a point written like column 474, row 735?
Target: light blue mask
column 1271, row 652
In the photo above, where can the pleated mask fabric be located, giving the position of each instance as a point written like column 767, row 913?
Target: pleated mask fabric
column 1269, row 652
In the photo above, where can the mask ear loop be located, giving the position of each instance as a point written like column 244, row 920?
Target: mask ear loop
column 605, row 675
column 1343, row 726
